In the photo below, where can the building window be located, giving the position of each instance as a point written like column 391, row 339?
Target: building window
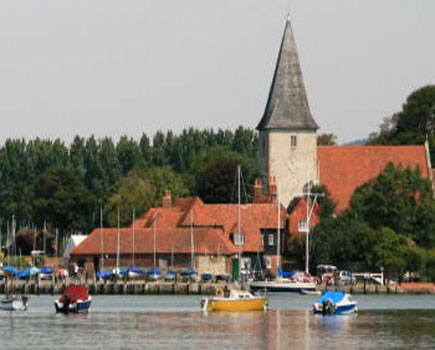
column 303, row 227
column 271, row 239
column 239, row 239
column 268, row 262
column 293, row 141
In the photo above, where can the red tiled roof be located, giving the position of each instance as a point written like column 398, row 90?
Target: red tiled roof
column 213, row 225
column 344, row 168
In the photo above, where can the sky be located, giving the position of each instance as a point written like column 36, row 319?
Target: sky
column 113, row 68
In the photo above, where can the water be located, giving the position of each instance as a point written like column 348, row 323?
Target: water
column 169, row 322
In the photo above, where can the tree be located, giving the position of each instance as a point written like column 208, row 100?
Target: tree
column 59, row 197
column 326, row 140
column 134, row 192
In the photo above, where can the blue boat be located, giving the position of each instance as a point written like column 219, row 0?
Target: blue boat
column 335, row 303
column 11, row 271
column 105, row 274
column 189, row 272
column 154, row 273
column 170, row 276
column 134, row 271
column 206, row 277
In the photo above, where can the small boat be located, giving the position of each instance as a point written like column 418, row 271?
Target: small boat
column 234, row 300
column 310, row 292
column 170, row 276
column 335, row 303
column 154, row 273
column 15, row 303
column 134, row 271
column 105, row 274
column 282, row 285
column 75, row 299
column 46, row 272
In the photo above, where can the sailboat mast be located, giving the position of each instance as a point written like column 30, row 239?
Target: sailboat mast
column 101, row 238
column 192, row 247
column 307, row 251
column 117, row 248
column 239, row 220
column 43, row 237
column 134, row 212
column 8, row 241
column 154, row 258
column 278, row 232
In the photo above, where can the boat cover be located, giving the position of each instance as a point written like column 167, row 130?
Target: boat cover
column 207, row 276
column 154, row 271
column 11, row 270
column 34, row 271
column 24, row 274
column 335, row 297
column 46, row 270
column 282, row 273
column 105, row 274
column 135, row 269
column 76, row 292
column 189, row 272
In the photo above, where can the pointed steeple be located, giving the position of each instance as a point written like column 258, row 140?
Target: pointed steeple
column 287, row 105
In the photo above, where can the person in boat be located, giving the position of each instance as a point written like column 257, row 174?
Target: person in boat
column 226, row 292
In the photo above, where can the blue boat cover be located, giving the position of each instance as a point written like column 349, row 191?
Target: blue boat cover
column 135, row 269
column 105, row 274
column 207, row 276
column 34, row 271
column 154, row 271
column 285, row 274
column 121, row 271
column 24, row 274
column 11, row 270
column 335, row 297
column 46, row 270
column 189, row 272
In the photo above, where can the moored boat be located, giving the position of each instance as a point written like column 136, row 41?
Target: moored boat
column 75, row 299
column 335, row 303
column 234, row 300
column 14, row 303
column 282, row 285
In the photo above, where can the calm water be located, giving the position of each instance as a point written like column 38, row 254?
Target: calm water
column 139, row 322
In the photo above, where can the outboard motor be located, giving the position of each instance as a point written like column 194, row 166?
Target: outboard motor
column 328, row 308
column 66, row 303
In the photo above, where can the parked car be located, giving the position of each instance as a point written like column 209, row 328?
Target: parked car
column 345, row 277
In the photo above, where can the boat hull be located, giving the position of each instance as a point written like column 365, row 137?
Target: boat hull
column 339, row 310
column 280, row 287
column 14, row 304
column 77, row 307
column 223, row 304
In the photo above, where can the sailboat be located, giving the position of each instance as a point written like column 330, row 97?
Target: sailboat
column 154, row 273
column 12, row 302
column 285, row 282
column 235, row 300
column 133, row 270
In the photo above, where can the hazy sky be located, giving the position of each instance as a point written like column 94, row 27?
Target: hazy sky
column 127, row 67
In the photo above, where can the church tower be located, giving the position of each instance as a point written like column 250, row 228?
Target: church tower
column 287, row 130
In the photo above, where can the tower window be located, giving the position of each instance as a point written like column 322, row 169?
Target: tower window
column 293, row 141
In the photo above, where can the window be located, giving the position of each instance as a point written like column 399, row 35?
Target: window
column 293, row 141
column 271, row 238
column 303, row 226
column 239, row 239
column 268, row 262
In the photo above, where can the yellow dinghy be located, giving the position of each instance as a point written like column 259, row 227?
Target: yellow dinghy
column 234, row 300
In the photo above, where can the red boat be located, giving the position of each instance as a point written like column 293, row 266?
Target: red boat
column 75, row 299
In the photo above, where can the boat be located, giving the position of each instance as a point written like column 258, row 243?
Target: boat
column 13, row 302
column 134, row 271
column 310, row 292
column 154, row 274
column 335, row 303
column 171, row 276
column 234, row 300
column 74, row 299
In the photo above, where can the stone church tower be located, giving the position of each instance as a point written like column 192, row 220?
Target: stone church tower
column 287, row 130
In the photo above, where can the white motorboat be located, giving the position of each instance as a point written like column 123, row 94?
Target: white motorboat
column 15, row 303
column 335, row 303
column 282, row 285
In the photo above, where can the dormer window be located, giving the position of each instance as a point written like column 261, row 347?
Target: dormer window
column 293, row 141
column 239, row 239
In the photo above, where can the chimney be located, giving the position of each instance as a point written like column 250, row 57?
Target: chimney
column 167, row 200
column 272, row 189
column 258, row 191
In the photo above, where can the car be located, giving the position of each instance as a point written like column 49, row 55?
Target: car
column 345, row 277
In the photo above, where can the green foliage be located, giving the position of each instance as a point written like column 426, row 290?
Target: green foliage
column 134, row 193
column 59, row 197
column 326, row 140
column 413, row 124
column 326, row 204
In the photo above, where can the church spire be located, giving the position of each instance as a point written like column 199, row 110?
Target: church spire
column 287, row 105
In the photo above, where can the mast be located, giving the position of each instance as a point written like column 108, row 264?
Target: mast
column 101, row 238
column 133, row 235
column 43, row 237
column 192, row 247
column 8, row 241
column 57, row 237
column 278, row 232
column 172, row 256
column 117, row 248
column 239, row 221
column 154, row 227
